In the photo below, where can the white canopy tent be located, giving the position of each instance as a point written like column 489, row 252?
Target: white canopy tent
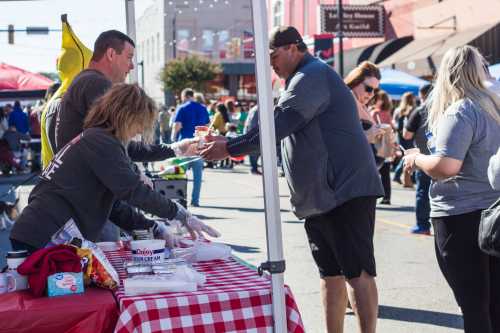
column 275, row 264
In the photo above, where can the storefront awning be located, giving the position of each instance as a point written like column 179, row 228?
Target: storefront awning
column 374, row 53
column 421, row 57
column 238, row 68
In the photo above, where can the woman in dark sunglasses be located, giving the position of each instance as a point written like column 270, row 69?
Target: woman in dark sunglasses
column 363, row 81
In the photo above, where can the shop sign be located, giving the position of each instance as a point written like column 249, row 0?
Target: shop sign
column 358, row 21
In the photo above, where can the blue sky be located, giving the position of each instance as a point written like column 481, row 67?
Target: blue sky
column 38, row 53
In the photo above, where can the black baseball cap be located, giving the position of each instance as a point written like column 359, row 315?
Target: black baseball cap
column 281, row 36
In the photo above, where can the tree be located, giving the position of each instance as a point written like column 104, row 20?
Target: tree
column 190, row 72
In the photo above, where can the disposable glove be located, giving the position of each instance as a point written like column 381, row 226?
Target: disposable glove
column 182, row 213
column 146, row 180
column 161, row 231
column 196, row 225
column 185, row 147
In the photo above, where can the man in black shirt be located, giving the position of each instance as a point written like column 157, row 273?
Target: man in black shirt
column 110, row 63
column 416, row 129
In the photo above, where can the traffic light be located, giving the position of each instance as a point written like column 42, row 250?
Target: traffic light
column 10, row 32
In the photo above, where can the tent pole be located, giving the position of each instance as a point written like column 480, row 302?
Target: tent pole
column 130, row 22
column 270, row 172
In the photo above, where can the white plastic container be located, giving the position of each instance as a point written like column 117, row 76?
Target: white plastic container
column 153, row 284
column 14, row 259
column 148, row 252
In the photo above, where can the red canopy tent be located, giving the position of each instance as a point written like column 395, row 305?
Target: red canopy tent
column 14, row 78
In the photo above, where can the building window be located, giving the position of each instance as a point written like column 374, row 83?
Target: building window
column 183, row 40
column 153, row 49
column 278, row 13
column 142, row 51
column 207, row 43
column 158, row 47
column 222, row 43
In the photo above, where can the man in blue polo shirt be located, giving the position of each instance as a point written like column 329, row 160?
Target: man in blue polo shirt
column 189, row 115
column 19, row 119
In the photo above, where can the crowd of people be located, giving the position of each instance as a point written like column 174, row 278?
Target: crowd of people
column 340, row 138
column 456, row 130
column 19, row 138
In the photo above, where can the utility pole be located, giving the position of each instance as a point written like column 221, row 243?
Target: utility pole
column 340, row 36
column 130, row 22
column 174, row 34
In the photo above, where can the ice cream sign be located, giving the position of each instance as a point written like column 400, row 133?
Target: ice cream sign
column 148, row 252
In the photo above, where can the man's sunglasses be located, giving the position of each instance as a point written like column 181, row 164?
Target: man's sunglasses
column 370, row 89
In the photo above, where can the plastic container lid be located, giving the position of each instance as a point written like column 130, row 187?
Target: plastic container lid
column 17, row 254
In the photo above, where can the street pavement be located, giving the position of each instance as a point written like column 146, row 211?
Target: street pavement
column 413, row 294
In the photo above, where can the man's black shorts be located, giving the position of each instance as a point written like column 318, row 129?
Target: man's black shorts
column 341, row 240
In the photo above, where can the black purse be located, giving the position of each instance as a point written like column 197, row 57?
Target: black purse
column 489, row 230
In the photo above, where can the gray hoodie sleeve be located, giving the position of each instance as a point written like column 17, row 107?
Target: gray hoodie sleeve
column 306, row 96
column 494, row 171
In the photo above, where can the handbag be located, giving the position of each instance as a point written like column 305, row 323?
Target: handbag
column 489, row 230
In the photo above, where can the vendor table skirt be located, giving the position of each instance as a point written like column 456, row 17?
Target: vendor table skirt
column 234, row 299
column 93, row 311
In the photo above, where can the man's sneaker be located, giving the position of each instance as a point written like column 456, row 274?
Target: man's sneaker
column 419, row 231
column 256, row 172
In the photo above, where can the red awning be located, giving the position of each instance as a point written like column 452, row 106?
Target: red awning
column 14, row 78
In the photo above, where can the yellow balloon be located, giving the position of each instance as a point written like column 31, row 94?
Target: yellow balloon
column 73, row 58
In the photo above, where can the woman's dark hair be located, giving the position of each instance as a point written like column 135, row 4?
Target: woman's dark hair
column 386, row 100
column 223, row 111
column 361, row 72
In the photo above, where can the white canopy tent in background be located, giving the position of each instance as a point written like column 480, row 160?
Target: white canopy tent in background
column 275, row 263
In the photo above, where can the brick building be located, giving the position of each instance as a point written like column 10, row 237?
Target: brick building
column 416, row 29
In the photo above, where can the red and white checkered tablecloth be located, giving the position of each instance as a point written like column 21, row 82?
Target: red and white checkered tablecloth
column 234, row 299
